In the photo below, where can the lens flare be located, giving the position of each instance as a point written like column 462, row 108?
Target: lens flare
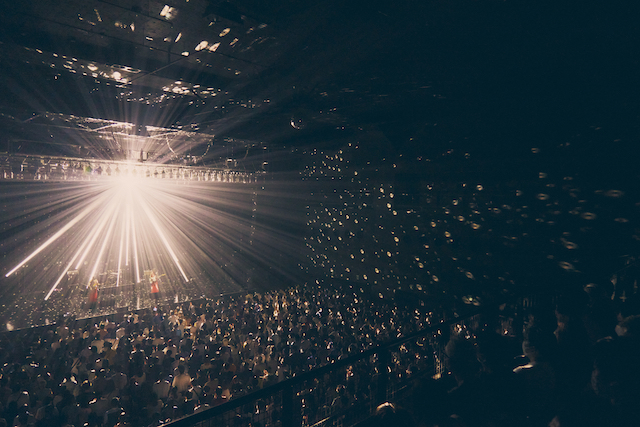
column 129, row 225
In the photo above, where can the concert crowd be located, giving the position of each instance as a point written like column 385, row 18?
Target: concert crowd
column 152, row 366
column 577, row 365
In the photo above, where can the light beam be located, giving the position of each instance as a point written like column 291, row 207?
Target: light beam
column 57, row 235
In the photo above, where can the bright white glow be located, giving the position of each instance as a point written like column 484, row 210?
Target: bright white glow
column 117, row 75
column 57, row 235
column 94, row 236
column 225, row 32
column 135, row 247
column 112, row 224
column 104, row 245
column 214, row 47
column 179, row 36
column 128, row 231
column 120, row 257
column 64, row 272
column 158, row 229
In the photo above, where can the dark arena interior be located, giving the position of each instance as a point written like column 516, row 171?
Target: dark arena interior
column 319, row 213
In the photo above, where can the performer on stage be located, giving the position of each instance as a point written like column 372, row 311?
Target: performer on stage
column 93, row 294
column 153, row 281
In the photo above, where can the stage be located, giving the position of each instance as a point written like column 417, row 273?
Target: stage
column 72, row 300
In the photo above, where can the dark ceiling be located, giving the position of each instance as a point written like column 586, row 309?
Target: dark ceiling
column 278, row 75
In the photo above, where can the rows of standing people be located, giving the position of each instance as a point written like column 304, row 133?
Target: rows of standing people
column 152, row 366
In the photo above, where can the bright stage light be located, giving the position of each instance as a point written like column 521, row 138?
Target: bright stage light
column 56, row 236
column 126, row 219
column 118, row 219
column 44, row 168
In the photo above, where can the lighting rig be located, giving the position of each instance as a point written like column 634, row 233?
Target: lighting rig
column 50, row 168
